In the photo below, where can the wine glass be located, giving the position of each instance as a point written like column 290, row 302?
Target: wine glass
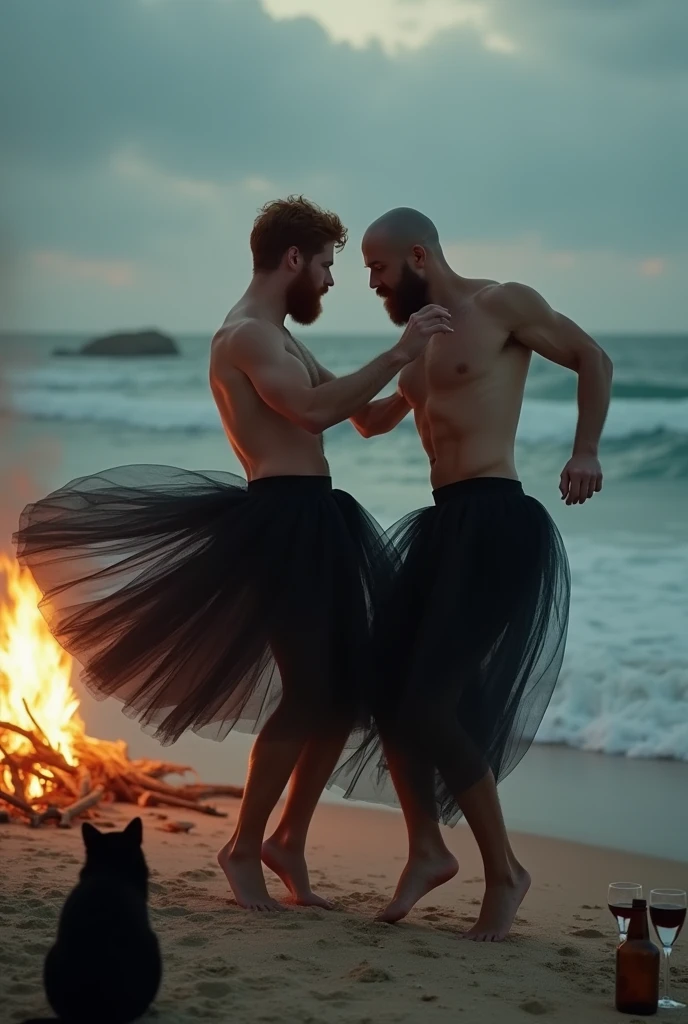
column 620, row 899
column 667, row 913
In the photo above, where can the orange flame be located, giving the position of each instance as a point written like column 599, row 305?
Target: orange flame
column 34, row 673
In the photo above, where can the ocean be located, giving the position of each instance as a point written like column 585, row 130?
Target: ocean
column 624, row 685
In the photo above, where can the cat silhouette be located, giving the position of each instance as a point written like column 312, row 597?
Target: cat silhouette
column 105, row 966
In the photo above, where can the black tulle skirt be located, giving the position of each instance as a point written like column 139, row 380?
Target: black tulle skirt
column 202, row 602
column 469, row 643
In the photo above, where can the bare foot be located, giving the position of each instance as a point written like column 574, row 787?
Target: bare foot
column 290, row 865
column 420, row 876
column 245, row 877
column 500, row 906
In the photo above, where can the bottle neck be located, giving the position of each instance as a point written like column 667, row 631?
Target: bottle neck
column 638, row 927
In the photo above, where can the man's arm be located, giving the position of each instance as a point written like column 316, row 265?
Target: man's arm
column 257, row 349
column 537, row 326
column 376, row 417
column 381, row 416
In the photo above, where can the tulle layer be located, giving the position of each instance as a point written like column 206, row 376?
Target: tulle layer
column 200, row 601
column 469, row 644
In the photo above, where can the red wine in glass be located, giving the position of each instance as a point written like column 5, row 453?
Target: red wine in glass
column 620, row 901
column 622, row 913
column 668, row 912
column 668, row 920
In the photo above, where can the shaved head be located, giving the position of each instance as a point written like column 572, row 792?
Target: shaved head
column 397, row 248
column 403, row 228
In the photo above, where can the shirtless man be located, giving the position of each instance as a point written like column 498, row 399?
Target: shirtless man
column 473, row 638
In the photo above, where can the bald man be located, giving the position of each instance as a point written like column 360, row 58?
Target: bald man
column 472, row 639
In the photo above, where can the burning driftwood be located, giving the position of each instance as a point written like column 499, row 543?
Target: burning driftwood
column 50, row 770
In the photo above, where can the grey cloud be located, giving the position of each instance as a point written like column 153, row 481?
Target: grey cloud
column 490, row 146
column 214, row 88
column 632, row 36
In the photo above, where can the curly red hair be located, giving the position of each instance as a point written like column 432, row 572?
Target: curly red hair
column 294, row 221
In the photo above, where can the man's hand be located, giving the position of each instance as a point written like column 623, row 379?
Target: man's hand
column 428, row 321
column 580, row 478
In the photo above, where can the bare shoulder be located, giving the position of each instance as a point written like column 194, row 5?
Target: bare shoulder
column 512, row 300
column 246, row 339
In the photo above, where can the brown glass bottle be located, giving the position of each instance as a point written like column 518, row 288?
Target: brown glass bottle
column 637, row 967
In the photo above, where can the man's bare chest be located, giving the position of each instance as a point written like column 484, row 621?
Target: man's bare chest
column 453, row 362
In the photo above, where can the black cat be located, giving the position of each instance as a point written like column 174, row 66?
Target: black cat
column 105, row 966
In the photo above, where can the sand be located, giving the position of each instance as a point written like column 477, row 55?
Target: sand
column 311, row 966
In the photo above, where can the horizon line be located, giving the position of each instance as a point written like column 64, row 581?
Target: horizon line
column 57, row 332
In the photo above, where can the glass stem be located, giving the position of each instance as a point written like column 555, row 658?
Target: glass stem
column 667, row 954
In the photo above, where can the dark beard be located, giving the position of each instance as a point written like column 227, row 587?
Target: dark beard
column 410, row 295
column 304, row 303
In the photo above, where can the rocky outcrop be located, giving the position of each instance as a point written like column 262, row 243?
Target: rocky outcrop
column 131, row 343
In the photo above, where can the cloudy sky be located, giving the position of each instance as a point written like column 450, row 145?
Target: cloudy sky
column 546, row 138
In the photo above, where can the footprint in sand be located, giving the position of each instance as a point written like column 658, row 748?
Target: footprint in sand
column 587, row 933
column 534, row 1007
column 360, row 897
column 173, row 911
column 338, row 996
column 197, row 875
column 595, row 906
column 367, row 974
column 569, row 951
column 193, row 940
column 213, row 989
column 430, row 954
column 218, row 967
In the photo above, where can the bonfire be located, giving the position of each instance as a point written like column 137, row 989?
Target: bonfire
column 50, row 769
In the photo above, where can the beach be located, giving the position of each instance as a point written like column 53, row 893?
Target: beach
column 308, row 965
column 597, row 799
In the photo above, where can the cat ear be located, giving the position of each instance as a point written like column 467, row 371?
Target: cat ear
column 134, row 830
column 90, row 835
